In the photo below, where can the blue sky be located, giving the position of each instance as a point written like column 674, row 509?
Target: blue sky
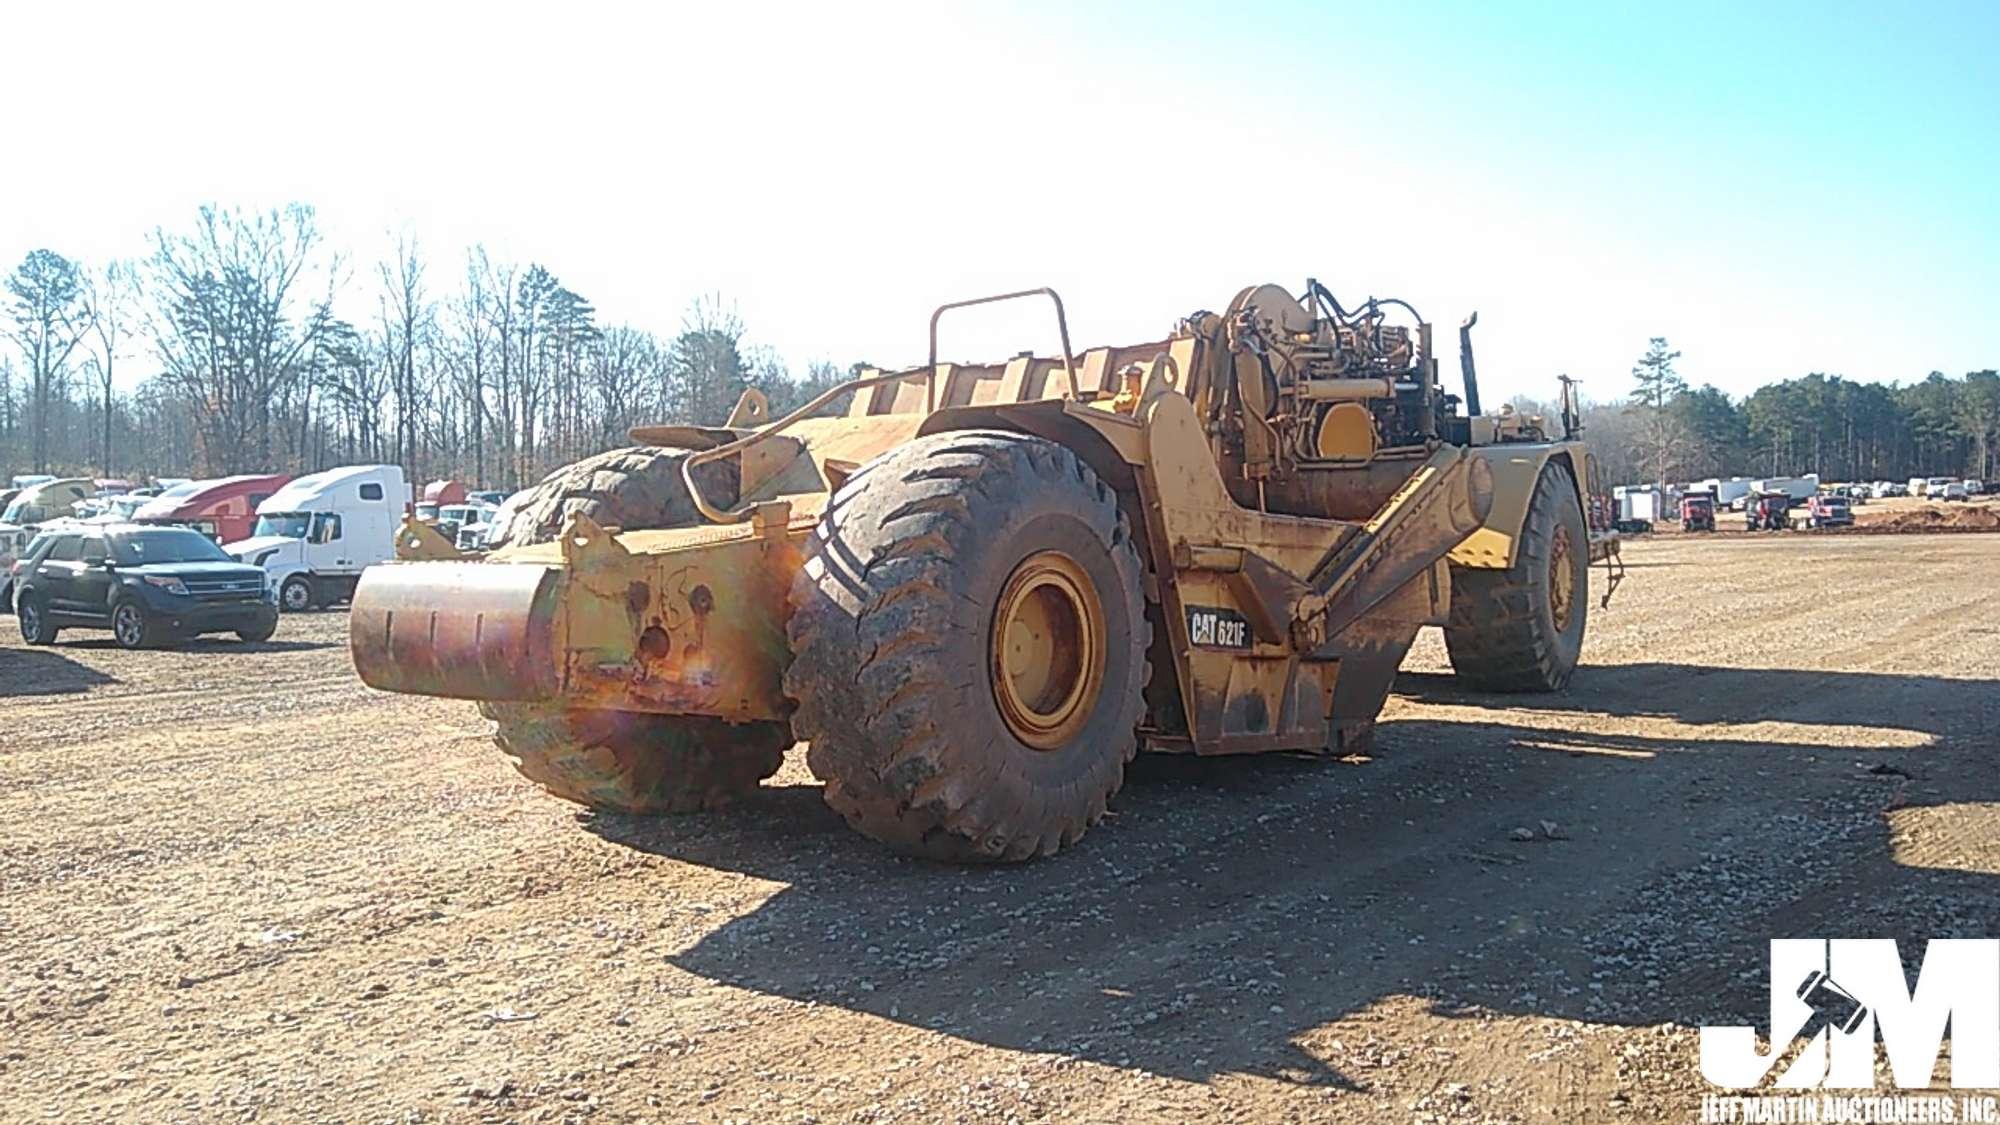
column 1776, row 188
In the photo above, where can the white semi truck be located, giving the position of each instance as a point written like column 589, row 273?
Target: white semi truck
column 317, row 534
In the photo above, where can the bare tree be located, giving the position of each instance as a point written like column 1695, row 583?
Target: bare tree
column 110, row 298
column 537, row 287
column 231, row 324
column 821, row 376
column 474, row 337
column 9, row 413
column 501, row 290
column 627, row 370
column 706, row 368
column 406, row 320
column 50, row 319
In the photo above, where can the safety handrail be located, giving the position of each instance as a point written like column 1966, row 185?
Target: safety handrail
column 1062, row 327
column 696, row 460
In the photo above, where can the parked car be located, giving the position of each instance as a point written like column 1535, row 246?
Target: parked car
column 1829, row 511
column 149, row 586
column 317, row 534
column 479, row 536
column 109, row 509
column 452, row 517
column 1950, row 490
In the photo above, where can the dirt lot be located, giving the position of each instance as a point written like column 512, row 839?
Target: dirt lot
column 236, row 884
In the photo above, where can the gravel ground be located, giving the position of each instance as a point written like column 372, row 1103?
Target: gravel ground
column 236, row 884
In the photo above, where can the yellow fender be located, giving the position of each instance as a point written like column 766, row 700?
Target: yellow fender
column 1516, row 469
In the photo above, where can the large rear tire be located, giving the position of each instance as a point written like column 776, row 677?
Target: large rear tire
column 633, row 489
column 969, row 648
column 1521, row 629
column 630, row 761
column 638, row 763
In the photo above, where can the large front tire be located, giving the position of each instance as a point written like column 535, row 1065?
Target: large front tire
column 1521, row 629
column 630, row 761
column 969, row 648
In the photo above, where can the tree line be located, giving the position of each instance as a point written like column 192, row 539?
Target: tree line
column 496, row 373
column 1816, row 423
column 484, row 370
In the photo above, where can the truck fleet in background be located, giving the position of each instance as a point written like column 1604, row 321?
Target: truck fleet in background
column 312, row 535
column 1772, row 503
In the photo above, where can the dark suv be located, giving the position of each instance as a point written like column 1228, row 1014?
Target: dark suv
column 148, row 585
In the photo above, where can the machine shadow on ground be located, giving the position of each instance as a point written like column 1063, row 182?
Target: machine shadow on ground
column 39, row 671
column 1230, row 908
column 209, row 646
column 1701, row 695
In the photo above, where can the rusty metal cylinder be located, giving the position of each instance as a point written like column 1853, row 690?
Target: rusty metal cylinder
column 1346, row 493
column 1346, row 390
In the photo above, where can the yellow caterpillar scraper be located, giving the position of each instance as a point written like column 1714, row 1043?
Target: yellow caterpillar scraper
column 984, row 587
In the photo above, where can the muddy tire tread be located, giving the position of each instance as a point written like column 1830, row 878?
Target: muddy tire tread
column 869, row 681
column 638, row 763
column 1499, row 637
column 635, row 488
column 629, row 761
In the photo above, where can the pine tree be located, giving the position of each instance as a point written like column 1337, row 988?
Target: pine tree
column 1662, row 435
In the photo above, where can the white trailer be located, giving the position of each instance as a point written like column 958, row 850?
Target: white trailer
column 1638, row 507
column 1797, row 488
column 1729, row 493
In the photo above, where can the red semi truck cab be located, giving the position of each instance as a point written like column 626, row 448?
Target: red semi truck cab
column 1698, row 512
column 224, row 509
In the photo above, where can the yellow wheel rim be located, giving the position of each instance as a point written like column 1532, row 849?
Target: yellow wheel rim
column 1562, row 579
column 1048, row 650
